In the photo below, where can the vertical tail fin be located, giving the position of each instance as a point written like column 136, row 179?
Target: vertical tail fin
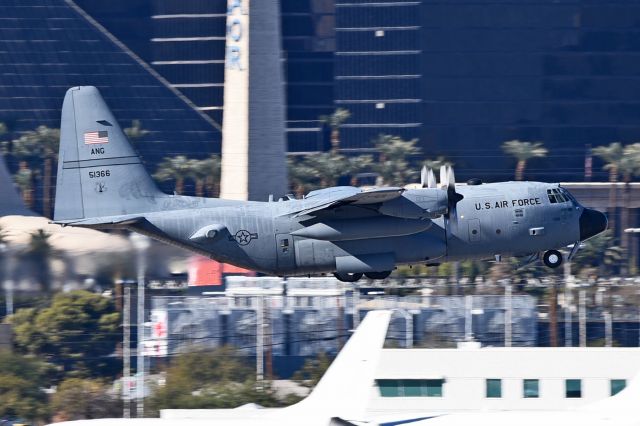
column 99, row 173
column 345, row 388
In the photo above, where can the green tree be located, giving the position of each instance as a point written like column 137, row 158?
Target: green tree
column 22, row 380
column 136, row 131
column 628, row 168
column 523, row 152
column 335, row 121
column 3, row 143
column 210, row 379
column 394, row 162
column 40, row 146
column 24, row 179
column 328, row 167
column 79, row 399
column 174, row 168
column 600, row 253
column 40, row 252
column 301, row 176
column 206, row 174
column 359, row 164
column 612, row 155
column 312, row 370
column 78, row 332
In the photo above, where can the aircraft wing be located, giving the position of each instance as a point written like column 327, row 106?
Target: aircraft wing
column 342, row 196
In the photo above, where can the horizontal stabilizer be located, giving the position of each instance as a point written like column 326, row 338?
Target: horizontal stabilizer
column 95, row 222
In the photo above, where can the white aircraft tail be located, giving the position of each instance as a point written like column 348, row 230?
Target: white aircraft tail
column 344, row 390
column 626, row 401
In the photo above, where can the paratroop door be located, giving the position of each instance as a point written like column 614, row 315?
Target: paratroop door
column 286, row 253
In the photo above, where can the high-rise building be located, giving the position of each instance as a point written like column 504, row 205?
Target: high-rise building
column 461, row 76
column 465, row 76
column 253, row 136
column 379, row 70
column 184, row 41
column 47, row 46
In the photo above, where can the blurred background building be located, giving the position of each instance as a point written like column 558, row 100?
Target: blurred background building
column 461, row 77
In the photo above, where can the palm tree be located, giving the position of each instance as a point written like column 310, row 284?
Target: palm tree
column 212, row 182
column 41, row 251
column 174, row 168
column 40, row 145
column 335, row 121
column 437, row 163
column 359, row 164
column 3, row 128
column 24, row 179
column 136, row 131
column 395, row 154
column 301, row 176
column 328, row 167
column 629, row 166
column 612, row 156
column 523, row 152
column 205, row 174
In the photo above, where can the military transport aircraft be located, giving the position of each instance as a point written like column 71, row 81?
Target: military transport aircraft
column 344, row 230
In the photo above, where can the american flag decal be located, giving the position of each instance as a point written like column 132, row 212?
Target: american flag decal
column 91, row 138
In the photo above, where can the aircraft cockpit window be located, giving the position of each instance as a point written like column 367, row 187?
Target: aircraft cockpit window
column 557, row 196
column 567, row 195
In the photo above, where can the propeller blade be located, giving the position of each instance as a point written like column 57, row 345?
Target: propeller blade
column 431, row 180
column 423, row 177
column 444, row 177
column 451, row 177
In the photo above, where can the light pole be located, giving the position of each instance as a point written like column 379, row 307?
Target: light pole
column 141, row 244
column 508, row 314
column 8, row 283
column 126, row 350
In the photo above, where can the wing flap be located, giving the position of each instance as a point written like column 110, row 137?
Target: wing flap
column 341, row 198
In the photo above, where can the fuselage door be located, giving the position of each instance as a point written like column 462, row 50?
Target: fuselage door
column 285, row 252
column 474, row 230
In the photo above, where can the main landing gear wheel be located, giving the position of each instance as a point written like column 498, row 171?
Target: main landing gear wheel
column 552, row 258
column 348, row 278
column 377, row 275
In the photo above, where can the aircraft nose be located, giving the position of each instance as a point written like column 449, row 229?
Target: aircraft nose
column 592, row 222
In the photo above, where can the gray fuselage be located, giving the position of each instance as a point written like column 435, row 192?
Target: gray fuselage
column 509, row 218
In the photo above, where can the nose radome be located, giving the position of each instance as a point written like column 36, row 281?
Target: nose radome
column 592, row 222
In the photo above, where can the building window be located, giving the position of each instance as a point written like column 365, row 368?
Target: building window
column 389, row 388
column 617, row 385
column 573, row 388
column 432, row 388
column 410, row 387
column 494, row 388
column 531, row 388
